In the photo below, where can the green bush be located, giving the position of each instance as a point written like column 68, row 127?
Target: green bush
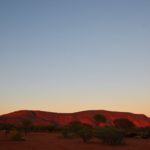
column 16, row 136
column 71, row 130
column 53, row 126
column 77, row 129
column 67, row 132
column 86, row 133
column 110, row 135
column 145, row 133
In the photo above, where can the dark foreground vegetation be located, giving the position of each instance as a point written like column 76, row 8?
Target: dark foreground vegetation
column 110, row 135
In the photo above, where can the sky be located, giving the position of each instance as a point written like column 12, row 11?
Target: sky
column 73, row 55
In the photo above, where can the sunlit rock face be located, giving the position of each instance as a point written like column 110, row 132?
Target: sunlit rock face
column 44, row 118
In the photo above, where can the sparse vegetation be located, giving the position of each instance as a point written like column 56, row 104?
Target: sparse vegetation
column 124, row 123
column 66, row 132
column 110, row 135
column 71, row 130
column 86, row 133
column 144, row 133
column 7, row 127
column 16, row 136
column 53, row 126
column 26, row 125
column 77, row 129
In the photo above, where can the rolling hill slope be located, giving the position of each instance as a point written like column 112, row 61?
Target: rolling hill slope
column 44, row 118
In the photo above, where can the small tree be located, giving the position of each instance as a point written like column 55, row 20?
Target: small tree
column 98, row 118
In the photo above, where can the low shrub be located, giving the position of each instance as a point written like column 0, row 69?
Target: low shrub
column 110, row 135
column 66, row 132
column 16, row 136
column 145, row 134
column 86, row 133
column 77, row 129
column 132, row 134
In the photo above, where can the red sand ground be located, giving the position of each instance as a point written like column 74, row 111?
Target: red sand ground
column 53, row 141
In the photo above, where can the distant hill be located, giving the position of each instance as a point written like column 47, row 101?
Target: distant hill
column 44, row 118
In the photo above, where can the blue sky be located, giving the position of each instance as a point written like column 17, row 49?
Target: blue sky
column 71, row 55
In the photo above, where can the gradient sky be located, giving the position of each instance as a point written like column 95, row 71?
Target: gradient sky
column 72, row 55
